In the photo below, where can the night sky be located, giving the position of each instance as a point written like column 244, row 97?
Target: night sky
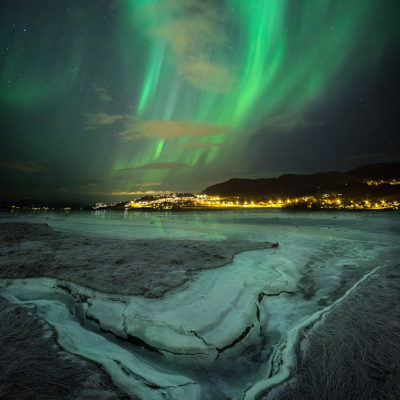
column 106, row 100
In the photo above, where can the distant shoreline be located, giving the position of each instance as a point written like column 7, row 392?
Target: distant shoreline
column 188, row 210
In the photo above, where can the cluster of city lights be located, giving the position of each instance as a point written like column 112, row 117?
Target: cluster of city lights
column 188, row 201
column 382, row 182
column 327, row 201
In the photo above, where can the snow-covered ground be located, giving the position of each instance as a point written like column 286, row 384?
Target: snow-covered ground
column 228, row 332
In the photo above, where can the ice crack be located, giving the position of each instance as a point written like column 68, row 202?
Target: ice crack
column 263, row 294
column 199, row 337
column 136, row 376
column 236, row 341
column 139, row 342
column 181, row 354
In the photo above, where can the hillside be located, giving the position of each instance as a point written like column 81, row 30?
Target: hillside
column 353, row 182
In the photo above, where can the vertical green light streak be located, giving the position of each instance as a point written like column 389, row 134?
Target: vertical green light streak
column 159, row 149
column 152, row 76
column 261, row 22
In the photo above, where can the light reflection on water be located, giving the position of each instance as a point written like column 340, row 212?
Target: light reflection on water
column 214, row 225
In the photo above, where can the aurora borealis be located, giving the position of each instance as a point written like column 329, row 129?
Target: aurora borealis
column 106, row 99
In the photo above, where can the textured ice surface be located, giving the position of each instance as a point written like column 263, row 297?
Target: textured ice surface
column 231, row 330
column 353, row 352
column 128, row 371
column 33, row 366
column 148, row 267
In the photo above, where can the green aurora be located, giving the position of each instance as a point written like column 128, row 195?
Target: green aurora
column 186, row 84
column 234, row 66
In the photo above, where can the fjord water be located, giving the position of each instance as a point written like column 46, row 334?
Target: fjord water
column 249, row 224
column 321, row 255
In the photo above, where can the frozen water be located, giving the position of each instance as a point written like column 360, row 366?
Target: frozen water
column 214, row 336
column 228, row 224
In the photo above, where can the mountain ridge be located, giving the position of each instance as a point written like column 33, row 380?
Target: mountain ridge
column 353, row 180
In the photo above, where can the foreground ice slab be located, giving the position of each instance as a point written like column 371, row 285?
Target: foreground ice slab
column 132, row 373
column 227, row 334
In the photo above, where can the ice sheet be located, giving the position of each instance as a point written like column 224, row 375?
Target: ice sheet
column 216, row 334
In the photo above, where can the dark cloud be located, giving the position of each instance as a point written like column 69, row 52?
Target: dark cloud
column 170, row 130
column 24, row 166
column 101, row 119
column 129, row 129
column 288, row 122
column 102, row 93
column 196, row 144
column 158, row 165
